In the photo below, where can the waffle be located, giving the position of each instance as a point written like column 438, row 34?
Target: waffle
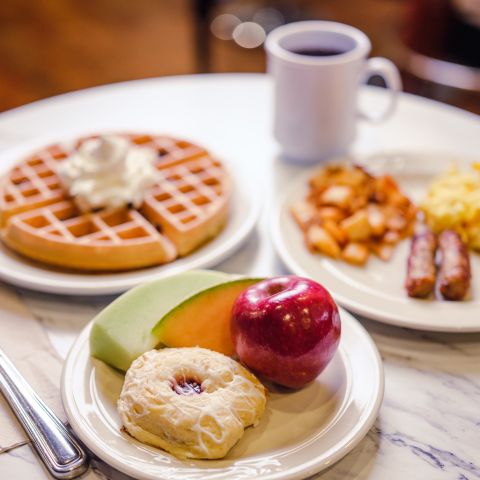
column 187, row 206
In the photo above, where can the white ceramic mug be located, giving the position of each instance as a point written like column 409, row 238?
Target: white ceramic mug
column 317, row 68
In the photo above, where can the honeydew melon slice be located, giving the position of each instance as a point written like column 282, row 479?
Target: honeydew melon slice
column 123, row 330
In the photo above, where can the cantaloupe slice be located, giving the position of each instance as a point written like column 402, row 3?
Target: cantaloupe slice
column 123, row 330
column 203, row 319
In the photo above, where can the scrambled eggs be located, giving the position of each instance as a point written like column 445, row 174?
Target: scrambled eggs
column 453, row 201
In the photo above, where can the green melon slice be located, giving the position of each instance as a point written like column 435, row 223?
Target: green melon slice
column 123, row 330
column 203, row 319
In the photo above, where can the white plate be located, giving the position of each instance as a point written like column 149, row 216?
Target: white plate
column 20, row 271
column 376, row 290
column 300, row 433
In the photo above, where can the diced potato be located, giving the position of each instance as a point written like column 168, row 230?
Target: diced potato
column 349, row 213
column 397, row 199
column 303, row 212
column 356, row 253
column 384, row 187
column 358, row 201
column 331, row 213
column 333, row 169
column 338, row 195
column 383, row 251
column 353, row 177
column 397, row 222
column 376, row 219
column 335, row 231
column 320, row 180
column 357, row 226
column 318, row 239
column 411, row 212
column 409, row 230
column 389, row 184
column 391, row 237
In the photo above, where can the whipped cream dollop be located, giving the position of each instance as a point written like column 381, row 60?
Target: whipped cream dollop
column 108, row 171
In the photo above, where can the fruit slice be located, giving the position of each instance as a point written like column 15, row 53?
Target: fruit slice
column 123, row 331
column 204, row 318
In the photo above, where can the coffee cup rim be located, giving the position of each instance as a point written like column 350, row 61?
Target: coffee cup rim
column 273, row 46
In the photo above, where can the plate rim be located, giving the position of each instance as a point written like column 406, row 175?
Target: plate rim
column 89, row 285
column 355, row 436
column 368, row 311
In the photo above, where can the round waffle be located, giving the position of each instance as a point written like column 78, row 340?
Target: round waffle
column 186, row 207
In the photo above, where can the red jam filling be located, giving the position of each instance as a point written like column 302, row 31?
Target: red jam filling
column 187, row 386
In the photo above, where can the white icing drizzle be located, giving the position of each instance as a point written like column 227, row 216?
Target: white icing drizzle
column 204, row 425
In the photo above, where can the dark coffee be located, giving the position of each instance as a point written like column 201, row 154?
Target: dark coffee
column 318, row 52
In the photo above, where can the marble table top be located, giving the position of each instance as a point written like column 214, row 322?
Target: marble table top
column 429, row 423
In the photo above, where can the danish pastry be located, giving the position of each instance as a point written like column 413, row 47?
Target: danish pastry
column 191, row 402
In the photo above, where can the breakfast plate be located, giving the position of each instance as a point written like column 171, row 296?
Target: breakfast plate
column 23, row 272
column 301, row 433
column 376, row 290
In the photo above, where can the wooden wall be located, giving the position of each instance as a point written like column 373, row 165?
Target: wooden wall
column 54, row 46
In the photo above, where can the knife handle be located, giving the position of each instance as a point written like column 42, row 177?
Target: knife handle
column 56, row 446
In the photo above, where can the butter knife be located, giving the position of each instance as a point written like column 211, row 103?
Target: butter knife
column 56, row 446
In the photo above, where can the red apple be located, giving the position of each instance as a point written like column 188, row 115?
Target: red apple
column 286, row 329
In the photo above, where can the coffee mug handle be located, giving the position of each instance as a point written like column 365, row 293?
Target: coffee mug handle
column 389, row 72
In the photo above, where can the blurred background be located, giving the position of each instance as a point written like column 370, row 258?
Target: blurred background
column 49, row 47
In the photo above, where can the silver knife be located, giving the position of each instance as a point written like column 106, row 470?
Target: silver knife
column 56, row 446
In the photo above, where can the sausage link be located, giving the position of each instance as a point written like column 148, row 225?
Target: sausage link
column 455, row 273
column 421, row 271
